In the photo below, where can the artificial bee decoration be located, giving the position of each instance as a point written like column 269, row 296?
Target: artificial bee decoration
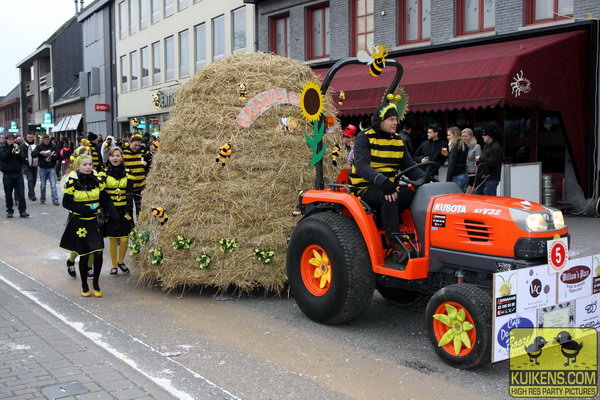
column 156, row 100
column 335, row 153
column 242, row 91
column 161, row 214
column 341, row 97
column 375, row 60
column 134, row 122
column 225, row 152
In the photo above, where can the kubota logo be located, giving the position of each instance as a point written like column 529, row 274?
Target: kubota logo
column 450, row 208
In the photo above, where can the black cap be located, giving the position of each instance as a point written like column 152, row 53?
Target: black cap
column 92, row 136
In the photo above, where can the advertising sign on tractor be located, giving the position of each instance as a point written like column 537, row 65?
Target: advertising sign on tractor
column 558, row 254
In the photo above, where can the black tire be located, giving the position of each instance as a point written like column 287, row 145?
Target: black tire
column 399, row 296
column 478, row 303
column 352, row 280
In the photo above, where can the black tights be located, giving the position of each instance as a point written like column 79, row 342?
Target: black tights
column 83, row 268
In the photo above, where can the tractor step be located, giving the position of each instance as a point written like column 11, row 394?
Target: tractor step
column 394, row 265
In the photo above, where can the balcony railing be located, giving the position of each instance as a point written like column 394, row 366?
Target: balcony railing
column 45, row 81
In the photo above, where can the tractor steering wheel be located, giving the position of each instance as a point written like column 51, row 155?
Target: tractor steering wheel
column 401, row 175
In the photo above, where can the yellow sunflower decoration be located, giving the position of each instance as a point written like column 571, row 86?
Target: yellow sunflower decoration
column 311, row 101
column 81, row 232
column 323, row 268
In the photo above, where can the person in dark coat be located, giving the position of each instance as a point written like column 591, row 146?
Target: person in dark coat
column 12, row 160
column 47, row 156
column 431, row 149
column 490, row 161
column 457, row 159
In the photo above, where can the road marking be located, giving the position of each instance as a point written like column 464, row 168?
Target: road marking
column 95, row 337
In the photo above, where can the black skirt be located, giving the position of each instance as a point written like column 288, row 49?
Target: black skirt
column 82, row 235
column 123, row 226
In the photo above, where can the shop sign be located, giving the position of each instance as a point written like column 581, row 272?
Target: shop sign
column 101, row 107
column 13, row 127
column 162, row 100
column 260, row 103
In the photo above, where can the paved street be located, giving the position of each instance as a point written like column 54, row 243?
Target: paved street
column 140, row 343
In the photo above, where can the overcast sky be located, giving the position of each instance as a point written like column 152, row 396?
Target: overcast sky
column 25, row 25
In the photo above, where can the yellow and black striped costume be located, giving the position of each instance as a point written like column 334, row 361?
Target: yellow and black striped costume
column 96, row 160
column 119, row 185
column 133, row 162
column 386, row 157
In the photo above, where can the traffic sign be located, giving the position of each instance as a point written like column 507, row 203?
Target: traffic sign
column 558, row 254
column 47, row 121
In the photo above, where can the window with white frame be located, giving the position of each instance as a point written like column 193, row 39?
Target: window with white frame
column 540, row 11
column 218, row 37
column 124, row 73
column 169, row 59
column 238, row 29
column 133, row 16
column 475, row 16
column 156, row 10
column 156, row 63
column 135, row 69
column 145, row 66
column 122, row 20
column 414, row 21
column 200, row 45
column 169, row 8
column 318, row 32
column 279, row 42
column 143, row 14
column 184, row 54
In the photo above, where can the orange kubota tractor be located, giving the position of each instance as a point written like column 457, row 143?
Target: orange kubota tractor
column 455, row 243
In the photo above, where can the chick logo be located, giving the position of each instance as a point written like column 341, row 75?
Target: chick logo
column 553, row 362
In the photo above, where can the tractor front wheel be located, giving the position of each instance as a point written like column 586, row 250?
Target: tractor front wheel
column 459, row 322
column 329, row 269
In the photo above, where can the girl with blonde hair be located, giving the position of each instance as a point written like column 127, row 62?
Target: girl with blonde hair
column 474, row 151
column 457, row 159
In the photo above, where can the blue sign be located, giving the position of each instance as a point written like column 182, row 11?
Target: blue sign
column 47, row 121
column 13, row 126
column 141, row 123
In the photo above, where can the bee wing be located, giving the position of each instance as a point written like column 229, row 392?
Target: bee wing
column 364, row 57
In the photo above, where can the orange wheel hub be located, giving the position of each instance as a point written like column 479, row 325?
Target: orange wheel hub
column 439, row 329
column 315, row 268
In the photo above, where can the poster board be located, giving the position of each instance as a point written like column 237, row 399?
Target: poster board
column 534, row 298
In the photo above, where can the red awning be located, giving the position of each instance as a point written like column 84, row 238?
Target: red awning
column 481, row 76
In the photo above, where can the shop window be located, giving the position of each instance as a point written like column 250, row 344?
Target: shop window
column 143, row 14
column 169, row 8
column 156, row 10
column 122, row 20
column 200, row 51
column 517, row 135
column 485, row 116
column 218, row 37
column 317, row 23
column 238, row 29
column 133, row 16
column 540, row 11
column 279, row 40
column 184, row 51
column 124, row 73
column 145, row 66
column 414, row 18
column 169, row 59
column 363, row 25
column 551, row 150
column 475, row 16
column 156, row 64
column 135, row 70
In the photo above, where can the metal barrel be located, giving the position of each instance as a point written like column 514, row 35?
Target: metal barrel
column 548, row 190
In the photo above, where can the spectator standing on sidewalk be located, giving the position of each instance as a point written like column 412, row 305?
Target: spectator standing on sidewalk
column 65, row 155
column 95, row 148
column 474, row 151
column 12, row 160
column 47, row 156
column 30, row 169
column 133, row 156
column 490, row 161
column 457, row 159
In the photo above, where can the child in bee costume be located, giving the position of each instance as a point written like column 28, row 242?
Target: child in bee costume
column 119, row 186
column 83, row 196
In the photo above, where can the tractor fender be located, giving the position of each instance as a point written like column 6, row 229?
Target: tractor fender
column 354, row 207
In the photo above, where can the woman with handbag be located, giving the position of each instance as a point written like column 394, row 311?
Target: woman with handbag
column 468, row 138
column 119, row 186
column 83, row 196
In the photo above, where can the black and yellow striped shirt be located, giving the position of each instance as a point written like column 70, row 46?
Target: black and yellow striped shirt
column 133, row 162
column 96, row 161
column 117, row 188
column 80, row 200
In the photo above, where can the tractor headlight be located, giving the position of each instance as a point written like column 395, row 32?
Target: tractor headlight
column 536, row 222
column 559, row 220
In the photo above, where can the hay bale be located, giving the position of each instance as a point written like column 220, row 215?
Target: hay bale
column 250, row 198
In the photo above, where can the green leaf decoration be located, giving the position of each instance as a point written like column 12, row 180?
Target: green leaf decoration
column 181, row 243
column 443, row 318
column 464, row 337
column 460, row 316
column 264, row 255
column 451, row 312
column 144, row 236
column 203, row 260
column 313, row 142
column 457, row 344
column 467, row 326
column 156, row 256
column 134, row 247
column 447, row 338
column 227, row 245
column 134, row 234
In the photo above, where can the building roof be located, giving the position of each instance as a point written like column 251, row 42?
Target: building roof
column 71, row 95
column 91, row 9
column 14, row 94
column 44, row 48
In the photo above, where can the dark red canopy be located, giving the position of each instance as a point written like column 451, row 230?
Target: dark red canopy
column 481, row 76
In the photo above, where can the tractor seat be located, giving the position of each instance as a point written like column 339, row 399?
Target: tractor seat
column 420, row 202
column 344, row 177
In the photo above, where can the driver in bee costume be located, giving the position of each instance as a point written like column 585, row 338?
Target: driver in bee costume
column 379, row 153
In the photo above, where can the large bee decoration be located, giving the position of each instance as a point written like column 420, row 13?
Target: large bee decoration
column 161, row 214
column 242, row 91
column 225, row 152
column 341, row 97
column 375, row 60
column 156, row 100
column 335, row 153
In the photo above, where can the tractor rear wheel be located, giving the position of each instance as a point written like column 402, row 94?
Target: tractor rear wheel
column 461, row 330
column 329, row 269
